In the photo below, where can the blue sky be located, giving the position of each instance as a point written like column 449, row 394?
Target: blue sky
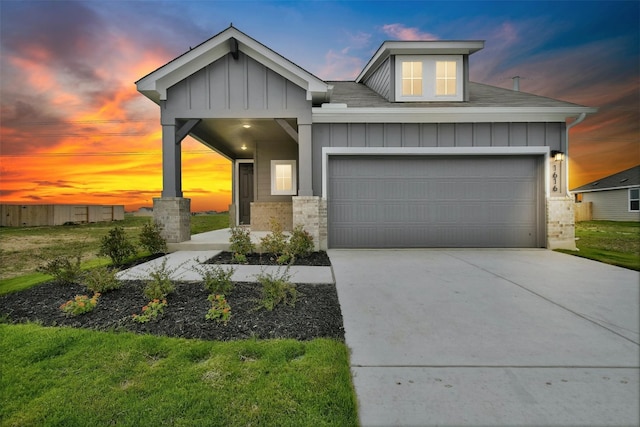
column 67, row 65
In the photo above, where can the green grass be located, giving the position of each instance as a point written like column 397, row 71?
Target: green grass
column 65, row 376
column 611, row 242
column 23, row 249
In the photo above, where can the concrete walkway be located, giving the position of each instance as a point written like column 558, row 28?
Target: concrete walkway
column 182, row 266
column 490, row 337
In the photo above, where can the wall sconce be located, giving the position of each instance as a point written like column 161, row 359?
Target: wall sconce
column 558, row 156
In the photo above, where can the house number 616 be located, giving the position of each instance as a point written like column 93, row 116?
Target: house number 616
column 555, row 178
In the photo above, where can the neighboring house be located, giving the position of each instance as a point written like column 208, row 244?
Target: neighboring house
column 144, row 211
column 615, row 197
column 410, row 154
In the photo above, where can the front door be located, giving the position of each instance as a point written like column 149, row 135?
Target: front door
column 245, row 196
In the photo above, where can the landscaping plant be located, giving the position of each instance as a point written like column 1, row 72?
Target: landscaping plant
column 216, row 279
column 160, row 284
column 64, row 269
column 151, row 238
column 277, row 288
column 101, row 279
column 220, row 310
column 116, row 246
column 151, row 311
column 241, row 244
column 275, row 242
column 80, row 304
column 300, row 243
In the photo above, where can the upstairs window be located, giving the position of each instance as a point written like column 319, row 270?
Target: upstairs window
column 634, row 200
column 412, row 78
column 422, row 78
column 446, row 78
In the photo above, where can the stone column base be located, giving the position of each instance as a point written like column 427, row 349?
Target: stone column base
column 311, row 213
column 174, row 215
column 561, row 223
column 232, row 215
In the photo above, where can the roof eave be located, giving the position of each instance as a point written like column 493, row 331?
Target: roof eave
column 447, row 114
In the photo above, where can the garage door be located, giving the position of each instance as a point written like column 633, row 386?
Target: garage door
column 435, row 201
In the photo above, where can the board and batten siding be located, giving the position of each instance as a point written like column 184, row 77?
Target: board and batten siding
column 380, row 80
column 229, row 88
column 265, row 152
column 431, row 135
column 611, row 205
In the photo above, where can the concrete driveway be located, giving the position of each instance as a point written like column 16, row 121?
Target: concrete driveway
column 490, row 337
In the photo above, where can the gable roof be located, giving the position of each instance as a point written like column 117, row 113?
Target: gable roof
column 625, row 179
column 155, row 84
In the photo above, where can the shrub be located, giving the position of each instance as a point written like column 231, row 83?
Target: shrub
column 277, row 288
column 241, row 244
column 151, row 311
column 300, row 243
column 80, row 304
column 116, row 246
column 64, row 269
column 151, row 238
column 160, row 283
column 217, row 280
column 275, row 242
column 101, row 279
column 220, row 310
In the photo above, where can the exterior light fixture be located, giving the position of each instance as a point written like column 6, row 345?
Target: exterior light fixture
column 246, row 126
column 244, row 147
column 558, row 156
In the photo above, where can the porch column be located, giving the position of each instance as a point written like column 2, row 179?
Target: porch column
column 171, row 163
column 304, row 163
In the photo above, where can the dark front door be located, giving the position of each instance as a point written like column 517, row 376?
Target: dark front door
column 245, row 192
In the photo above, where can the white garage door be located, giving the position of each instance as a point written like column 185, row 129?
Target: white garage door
column 435, row 201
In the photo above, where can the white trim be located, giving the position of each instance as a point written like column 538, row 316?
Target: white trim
column 446, row 114
column 236, row 188
column 294, row 180
column 605, row 189
column 629, row 199
column 432, row 151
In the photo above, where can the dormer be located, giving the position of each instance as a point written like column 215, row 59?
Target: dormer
column 421, row 71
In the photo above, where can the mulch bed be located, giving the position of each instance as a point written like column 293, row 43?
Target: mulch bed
column 317, row 259
column 315, row 314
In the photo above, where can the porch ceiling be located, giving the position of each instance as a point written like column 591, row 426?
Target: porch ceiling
column 228, row 136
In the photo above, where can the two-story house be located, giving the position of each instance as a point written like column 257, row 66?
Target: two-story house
column 410, row 154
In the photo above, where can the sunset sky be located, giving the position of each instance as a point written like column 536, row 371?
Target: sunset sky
column 75, row 130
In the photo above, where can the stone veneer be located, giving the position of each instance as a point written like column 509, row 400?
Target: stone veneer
column 262, row 212
column 232, row 215
column 174, row 215
column 560, row 223
column 311, row 213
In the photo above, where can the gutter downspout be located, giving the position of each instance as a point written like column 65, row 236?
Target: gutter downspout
column 577, row 121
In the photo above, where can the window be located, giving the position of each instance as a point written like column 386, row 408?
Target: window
column 634, row 200
column 411, row 78
column 446, row 78
column 420, row 78
column 283, row 177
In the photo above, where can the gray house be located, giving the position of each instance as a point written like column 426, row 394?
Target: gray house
column 615, row 197
column 410, row 154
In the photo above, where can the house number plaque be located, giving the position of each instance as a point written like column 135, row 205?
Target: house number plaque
column 555, row 178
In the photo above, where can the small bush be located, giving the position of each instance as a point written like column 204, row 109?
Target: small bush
column 116, row 246
column 151, row 311
column 64, row 269
column 220, row 310
column 300, row 243
column 217, row 280
column 151, row 238
column 160, row 283
column 80, row 304
column 241, row 244
column 275, row 242
column 101, row 279
column 277, row 288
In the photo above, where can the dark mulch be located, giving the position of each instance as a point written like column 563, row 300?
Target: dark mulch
column 317, row 259
column 316, row 312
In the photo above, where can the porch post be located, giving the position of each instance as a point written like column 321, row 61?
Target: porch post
column 304, row 163
column 171, row 163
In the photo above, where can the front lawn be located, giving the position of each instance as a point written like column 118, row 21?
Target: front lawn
column 65, row 376
column 611, row 242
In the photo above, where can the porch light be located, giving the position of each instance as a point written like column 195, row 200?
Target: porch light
column 243, row 147
column 558, row 156
column 246, row 126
